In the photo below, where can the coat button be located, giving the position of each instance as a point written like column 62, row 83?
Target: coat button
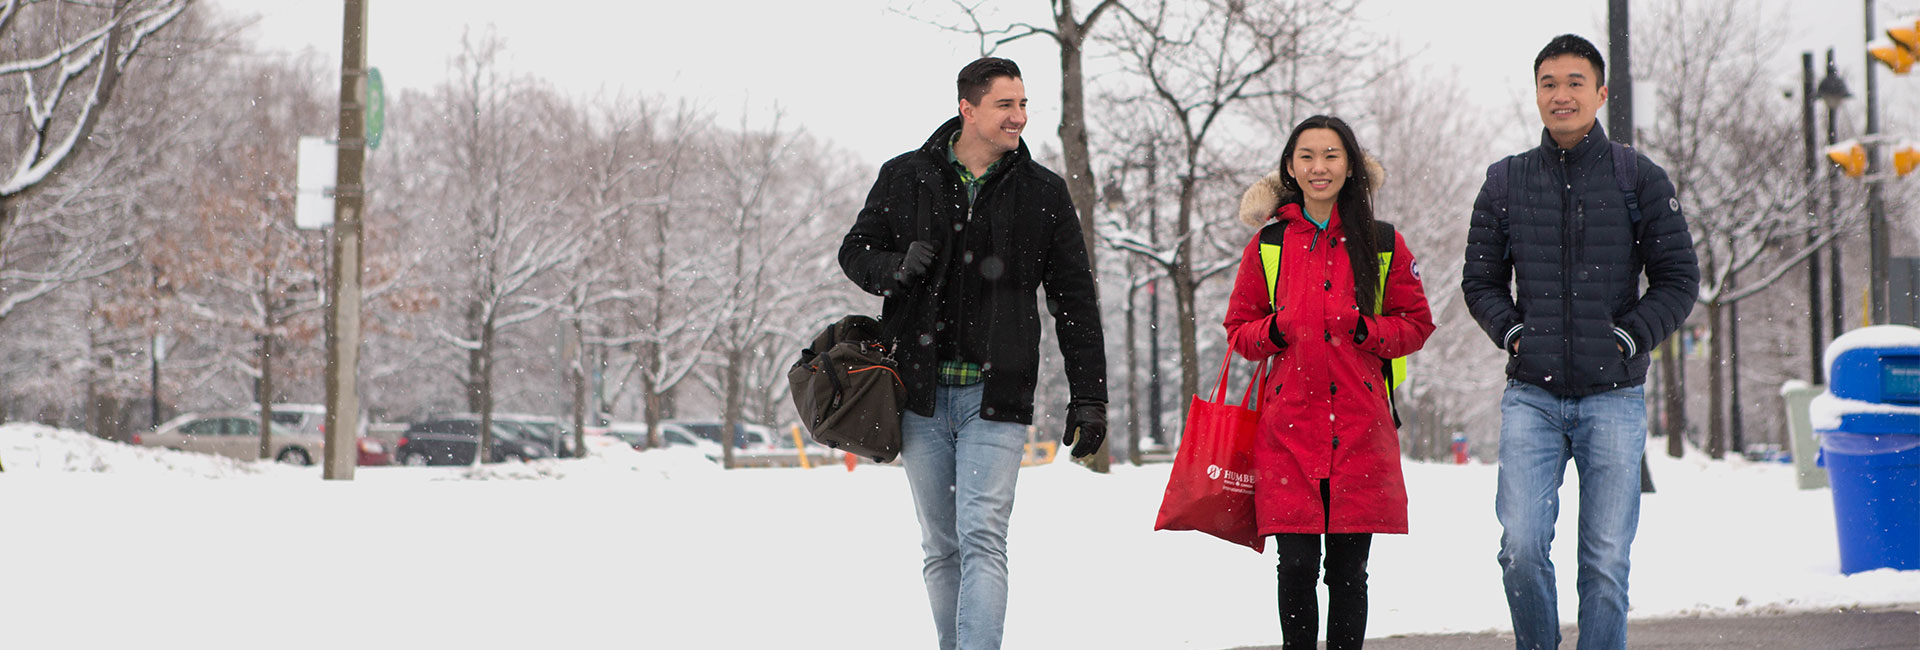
column 1336, row 442
column 1333, row 389
column 1327, row 336
column 1327, row 285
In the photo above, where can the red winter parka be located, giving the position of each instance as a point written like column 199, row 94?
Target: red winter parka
column 1324, row 413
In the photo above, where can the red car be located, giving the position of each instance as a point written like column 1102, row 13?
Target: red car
column 371, row 451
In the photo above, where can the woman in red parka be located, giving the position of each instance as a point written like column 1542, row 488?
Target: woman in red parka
column 1328, row 456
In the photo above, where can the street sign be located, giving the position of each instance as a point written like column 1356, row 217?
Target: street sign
column 376, row 102
column 314, row 179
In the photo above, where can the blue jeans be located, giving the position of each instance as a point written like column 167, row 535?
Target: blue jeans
column 1605, row 435
column 962, row 469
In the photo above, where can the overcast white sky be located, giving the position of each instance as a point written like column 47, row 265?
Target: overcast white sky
column 864, row 75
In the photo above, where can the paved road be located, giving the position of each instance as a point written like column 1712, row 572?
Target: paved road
column 1879, row 628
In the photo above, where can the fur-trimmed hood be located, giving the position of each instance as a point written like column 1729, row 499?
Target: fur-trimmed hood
column 1258, row 203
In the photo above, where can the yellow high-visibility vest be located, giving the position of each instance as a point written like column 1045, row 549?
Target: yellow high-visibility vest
column 1271, row 244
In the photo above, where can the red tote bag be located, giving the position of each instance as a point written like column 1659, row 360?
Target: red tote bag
column 1211, row 489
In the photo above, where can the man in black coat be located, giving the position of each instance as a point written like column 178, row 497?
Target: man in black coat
column 957, row 236
column 1561, row 236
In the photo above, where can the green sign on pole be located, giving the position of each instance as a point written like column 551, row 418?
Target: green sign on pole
column 376, row 102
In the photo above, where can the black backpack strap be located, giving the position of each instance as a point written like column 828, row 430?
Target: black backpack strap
column 1275, row 235
column 1384, row 236
column 1498, row 176
column 1626, row 175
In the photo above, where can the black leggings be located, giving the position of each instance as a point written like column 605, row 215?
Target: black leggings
column 1346, row 588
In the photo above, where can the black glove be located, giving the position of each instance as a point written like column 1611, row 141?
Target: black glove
column 1086, row 426
column 918, row 259
column 1273, row 333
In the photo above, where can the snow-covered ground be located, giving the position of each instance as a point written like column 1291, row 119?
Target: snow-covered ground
column 108, row 546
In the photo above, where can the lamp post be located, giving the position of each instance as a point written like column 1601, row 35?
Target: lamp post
column 1153, row 299
column 1833, row 92
column 1815, row 373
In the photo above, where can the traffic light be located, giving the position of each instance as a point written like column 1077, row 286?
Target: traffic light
column 1905, row 158
column 1850, row 156
column 1902, row 47
column 1895, row 56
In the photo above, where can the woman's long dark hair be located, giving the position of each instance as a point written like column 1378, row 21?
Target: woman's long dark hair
column 1355, row 204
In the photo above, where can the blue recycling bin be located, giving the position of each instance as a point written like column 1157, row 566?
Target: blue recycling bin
column 1869, row 426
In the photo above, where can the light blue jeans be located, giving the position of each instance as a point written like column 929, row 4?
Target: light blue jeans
column 962, row 469
column 1605, row 435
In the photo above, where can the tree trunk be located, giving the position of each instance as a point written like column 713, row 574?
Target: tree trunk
column 1674, row 394
column 730, row 415
column 483, row 454
column 265, row 385
column 476, row 364
column 1133, row 382
column 650, row 396
column 1734, row 422
column 1073, row 128
column 1184, row 286
column 1716, row 391
column 576, row 370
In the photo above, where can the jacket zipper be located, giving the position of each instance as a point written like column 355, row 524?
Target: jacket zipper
column 1566, row 261
column 1579, row 229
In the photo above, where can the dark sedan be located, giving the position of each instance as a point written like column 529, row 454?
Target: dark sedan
column 452, row 441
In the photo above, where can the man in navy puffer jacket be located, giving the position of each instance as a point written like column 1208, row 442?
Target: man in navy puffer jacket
column 1554, row 260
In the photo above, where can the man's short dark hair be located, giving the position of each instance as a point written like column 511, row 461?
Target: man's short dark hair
column 978, row 76
column 1565, row 44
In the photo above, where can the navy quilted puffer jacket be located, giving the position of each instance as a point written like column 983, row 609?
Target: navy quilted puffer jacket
column 1554, row 263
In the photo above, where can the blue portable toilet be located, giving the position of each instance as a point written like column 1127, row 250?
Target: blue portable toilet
column 1869, row 426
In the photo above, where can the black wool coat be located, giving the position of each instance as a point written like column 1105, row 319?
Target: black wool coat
column 1034, row 243
column 1554, row 263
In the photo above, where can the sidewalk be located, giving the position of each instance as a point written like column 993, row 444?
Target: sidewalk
column 1877, row 628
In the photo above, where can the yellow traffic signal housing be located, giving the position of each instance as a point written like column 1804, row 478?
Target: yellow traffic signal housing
column 1905, row 32
column 1897, row 57
column 1906, row 158
column 1906, row 36
column 1850, row 156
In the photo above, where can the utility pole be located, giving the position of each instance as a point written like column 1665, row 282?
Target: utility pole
column 1620, row 79
column 1155, row 431
column 1620, row 121
column 343, row 304
column 1836, row 308
column 1815, row 373
column 1878, row 252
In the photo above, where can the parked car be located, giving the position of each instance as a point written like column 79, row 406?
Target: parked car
column 548, row 431
column 312, row 419
column 454, row 441
column 237, row 435
column 671, row 435
column 746, row 437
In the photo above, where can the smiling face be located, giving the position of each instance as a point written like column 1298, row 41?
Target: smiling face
column 999, row 117
column 1318, row 163
column 1570, row 94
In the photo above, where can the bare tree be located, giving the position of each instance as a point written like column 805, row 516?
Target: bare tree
column 773, row 196
column 618, row 147
column 662, row 323
column 505, row 211
column 1716, row 129
column 1204, row 63
column 1434, row 162
column 71, row 57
